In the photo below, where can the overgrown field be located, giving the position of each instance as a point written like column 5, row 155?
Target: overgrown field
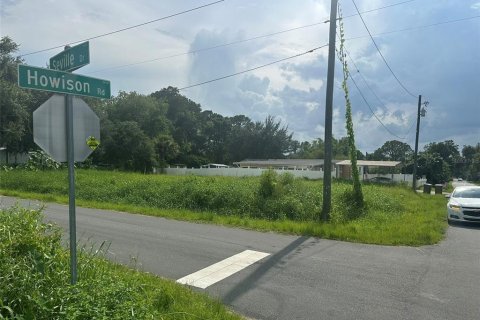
column 392, row 214
column 35, row 281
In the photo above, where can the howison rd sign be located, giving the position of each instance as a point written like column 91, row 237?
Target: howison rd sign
column 62, row 82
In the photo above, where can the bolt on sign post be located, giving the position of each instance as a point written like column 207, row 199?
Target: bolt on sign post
column 53, row 122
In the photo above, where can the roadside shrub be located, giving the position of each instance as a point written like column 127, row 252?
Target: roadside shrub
column 39, row 160
column 279, row 197
column 272, row 196
column 268, row 184
column 35, row 280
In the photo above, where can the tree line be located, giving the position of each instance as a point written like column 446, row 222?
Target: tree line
column 140, row 132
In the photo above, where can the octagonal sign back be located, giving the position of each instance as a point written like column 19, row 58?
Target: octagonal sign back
column 50, row 133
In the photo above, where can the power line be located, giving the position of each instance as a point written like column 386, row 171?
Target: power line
column 378, row 49
column 376, row 9
column 208, row 48
column 214, row 47
column 376, row 96
column 409, row 130
column 364, row 80
column 245, row 40
column 371, row 110
column 373, row 113
column 248, row 70
column 418, row 27
column 276, row 33
column 127, row 28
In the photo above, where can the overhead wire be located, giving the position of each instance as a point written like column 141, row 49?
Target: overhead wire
column 376, row 9
column 205, row 49
column 373, row 113
column 380, row 52
column 409, row 130
column 213, row 47
column 277, row 33
column 364, row 80
column 417, row 27
column 127, row 28
column 371, row 89
column 252, row 69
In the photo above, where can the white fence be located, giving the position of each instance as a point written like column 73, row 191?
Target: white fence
column 13, row 158
column 241, row 172
column 249, row 172
column 396, row 177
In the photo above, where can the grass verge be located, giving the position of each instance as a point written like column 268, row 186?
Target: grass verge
column 393, row 215
column 34, row 281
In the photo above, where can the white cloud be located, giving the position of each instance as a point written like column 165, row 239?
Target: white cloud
column 441, row 62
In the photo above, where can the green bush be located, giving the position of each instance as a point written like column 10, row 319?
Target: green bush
column 270, row 197
column 39, row 160
column 34, row 281
column 268, row 183
column 281, row 197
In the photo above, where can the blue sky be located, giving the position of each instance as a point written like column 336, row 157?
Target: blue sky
column 441, row 62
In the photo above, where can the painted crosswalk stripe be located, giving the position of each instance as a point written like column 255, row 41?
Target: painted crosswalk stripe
column 223, row 269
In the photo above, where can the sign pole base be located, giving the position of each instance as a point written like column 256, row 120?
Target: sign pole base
column 71, row 188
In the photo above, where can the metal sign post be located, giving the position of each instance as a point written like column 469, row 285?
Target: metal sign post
column 53, row 122
column 71, row 188
column 72, row 219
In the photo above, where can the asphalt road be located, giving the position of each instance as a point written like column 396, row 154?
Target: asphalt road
column 303, row 278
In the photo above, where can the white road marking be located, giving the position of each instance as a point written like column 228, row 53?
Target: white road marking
column 223, row 269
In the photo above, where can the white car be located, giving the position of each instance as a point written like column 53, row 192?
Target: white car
column 464, row 204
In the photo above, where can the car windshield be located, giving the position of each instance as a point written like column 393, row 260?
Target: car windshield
column 467, row 193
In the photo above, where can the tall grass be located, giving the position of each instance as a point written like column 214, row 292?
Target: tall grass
column 34, row 281
column 391, row 215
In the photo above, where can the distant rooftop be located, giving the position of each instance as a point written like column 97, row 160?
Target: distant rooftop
column 282, row 163
column 309, row 163
column 370, row 163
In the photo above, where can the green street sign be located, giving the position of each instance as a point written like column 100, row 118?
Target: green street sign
column 62, row 82
column 71, row 58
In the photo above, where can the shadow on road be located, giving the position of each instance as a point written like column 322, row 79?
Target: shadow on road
column 277, row 260
column 465, row 225
column 244, row 286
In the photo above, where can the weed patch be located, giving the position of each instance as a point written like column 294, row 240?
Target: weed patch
column 34, row 281
column 389, row 214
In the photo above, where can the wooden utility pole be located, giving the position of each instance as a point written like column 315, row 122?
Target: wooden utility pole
column 415, row 155
column 327, row 165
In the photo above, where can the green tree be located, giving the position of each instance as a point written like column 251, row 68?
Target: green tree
column 393, row 150
column 15, row 118
column 273, row 138
column 184, row 114
column 239, row 141
column 166, row 149
column 127, row 147
column 448, row 151
column 434, row 167
column 310, row 150
column 474, row 167
column 215, row 130
column 149, row 113
column 471, row 160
